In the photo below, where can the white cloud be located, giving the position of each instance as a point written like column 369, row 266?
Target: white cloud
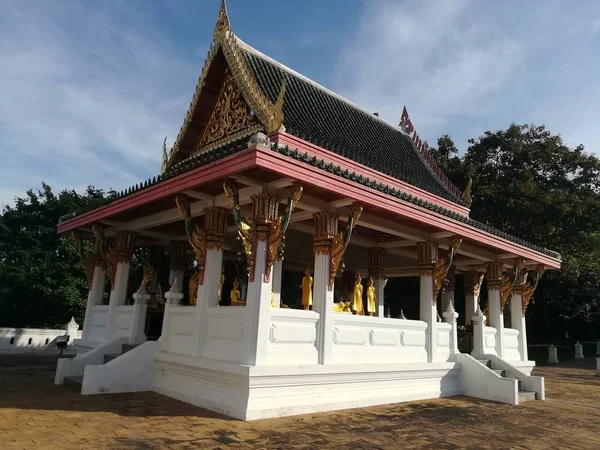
column 462, row 67
column 85, row 101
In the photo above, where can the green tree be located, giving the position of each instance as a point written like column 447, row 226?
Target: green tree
column 42, row 283
column 527, row 182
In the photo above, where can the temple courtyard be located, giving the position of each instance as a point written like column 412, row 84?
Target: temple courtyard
column 36, row 414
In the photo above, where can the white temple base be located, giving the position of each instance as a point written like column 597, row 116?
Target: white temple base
column 260, row 392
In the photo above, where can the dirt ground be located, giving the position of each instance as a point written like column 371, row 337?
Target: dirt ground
column 36, row 414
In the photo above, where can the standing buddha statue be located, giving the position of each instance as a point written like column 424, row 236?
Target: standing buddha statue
column 306, row 286
column 371, row 297
column 357, row 306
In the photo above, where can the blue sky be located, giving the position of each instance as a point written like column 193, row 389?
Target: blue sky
column 89, row 90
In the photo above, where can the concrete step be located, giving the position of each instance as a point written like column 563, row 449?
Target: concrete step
column 126, row 347
column 110, row 357
column 74, row 382
column 485, row 362
column 500, row 372
column 525, row 396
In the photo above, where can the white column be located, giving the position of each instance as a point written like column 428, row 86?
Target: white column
column 517, row 320
column 496, row 318
column 478, row 320
column 140, row 307
column 118, row 295
column 276, row 274
column 94, row 298
column 258, row 310
column 379, row 292
column 450, row 315
column 323, row 304
column 172, row 298
column 472, row 282
column 428, row 314
column 208, row 295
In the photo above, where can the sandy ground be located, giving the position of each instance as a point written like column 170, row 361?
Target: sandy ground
column 34, row 413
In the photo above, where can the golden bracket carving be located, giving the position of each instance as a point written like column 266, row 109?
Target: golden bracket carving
column 529, row 288
column 87, row 259
column 196, row 235
column 377, row 262
column 442, row 266
column 340, row 242
column 107, row 252
column 508, row 281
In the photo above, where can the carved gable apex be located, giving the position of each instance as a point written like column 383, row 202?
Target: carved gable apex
column 230, row 119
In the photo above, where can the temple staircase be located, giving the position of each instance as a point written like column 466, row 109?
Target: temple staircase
column 77, row 381
column 524, row 396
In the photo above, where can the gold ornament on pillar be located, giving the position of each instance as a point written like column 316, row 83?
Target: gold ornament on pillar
column 246, row 227
column 530, row 287
column 106, row 251
column 508, row 281
column 442, row 266
column 493, row 274
column 196, row 236
column 178, row 255
column 87, row 259
column 215, row 226
column 340, row 242
column 428, row 255
column 377, row 262
column 278, row 227
column 149, row 275
column 473, row 281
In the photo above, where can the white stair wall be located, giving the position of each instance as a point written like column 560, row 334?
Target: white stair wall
column 529, row 383
column 130, row 372
column 477, row 380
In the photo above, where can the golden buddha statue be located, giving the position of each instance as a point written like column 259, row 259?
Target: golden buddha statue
column 236, row 296
column 371, row 297
column 357, row 305
column 306, row 286
column 221, row 282
column 193, row 287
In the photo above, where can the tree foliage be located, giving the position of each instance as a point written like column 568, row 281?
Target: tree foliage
column 42, row 283
column 527, row 182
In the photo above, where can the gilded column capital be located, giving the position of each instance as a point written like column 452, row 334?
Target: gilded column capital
column 88, row 259
column 326, row 227
column 428, row 255
column 377, row 262
column 493, row 274
column 178, row 254
column 473, row 281
column 215, row 226
column 124, row 245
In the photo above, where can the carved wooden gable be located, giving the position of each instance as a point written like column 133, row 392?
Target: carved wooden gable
column 230, row 119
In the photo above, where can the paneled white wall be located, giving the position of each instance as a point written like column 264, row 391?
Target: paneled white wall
column 378, row 339
column 292, row 337
column 123, row 320
column 99, row 323
column 181, row 330
column 443, row 341
column 225, row 337
column 489, row 338
column 511, row 345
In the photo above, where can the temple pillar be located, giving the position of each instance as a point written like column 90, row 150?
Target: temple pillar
column 173, row 297
column 517, row 320
column 95, row 294
column 428, row 254
column 450, row 316
column 377, row 272
column 118, row 259
column 326, row 227
column 473, row 282
column 215, row 227
column 478, row 321
column 140, row 307
column 177, row 260
column 448, row 290
column 277, row 280
column 496, row 316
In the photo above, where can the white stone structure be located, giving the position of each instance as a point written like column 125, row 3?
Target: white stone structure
column 30, row 339
column 552, row 354
column 579, row 350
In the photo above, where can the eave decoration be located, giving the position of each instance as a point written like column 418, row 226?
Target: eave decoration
column 265, row 224
column 196, row 237
column 530, row 287
column 106, row 252
column 88, row 258
column 442, row 266
column 238, row 95
column 507, row 282
column 340, row 241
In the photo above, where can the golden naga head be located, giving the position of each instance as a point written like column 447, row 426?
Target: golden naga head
column 455, row 243
column 540, row 269
column 183, row 205
column 355, row 211
column 296, row 192
column 231, row 191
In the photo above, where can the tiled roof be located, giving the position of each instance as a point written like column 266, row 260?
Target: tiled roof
column 323, row 118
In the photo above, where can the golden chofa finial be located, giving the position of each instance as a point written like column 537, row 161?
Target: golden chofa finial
column 466, row 195
column 223, row 24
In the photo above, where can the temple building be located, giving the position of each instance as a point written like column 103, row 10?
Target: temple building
column 253, row 276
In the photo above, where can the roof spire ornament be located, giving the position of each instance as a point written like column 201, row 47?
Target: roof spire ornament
column 466, row 195
column 223, row 25
column 165, row 157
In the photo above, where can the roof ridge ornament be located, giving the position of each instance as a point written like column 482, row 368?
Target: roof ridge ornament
column 223, row 25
